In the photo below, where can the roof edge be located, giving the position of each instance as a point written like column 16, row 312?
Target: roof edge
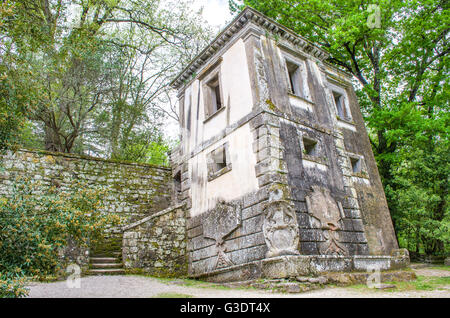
column 246, row 15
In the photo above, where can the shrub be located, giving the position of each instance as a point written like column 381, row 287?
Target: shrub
column 36, row 223
column 12, row 286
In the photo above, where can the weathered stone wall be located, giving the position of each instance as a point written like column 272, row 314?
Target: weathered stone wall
column 133, row 190
column 243, row 244
column 157, row 244
column 316, row 193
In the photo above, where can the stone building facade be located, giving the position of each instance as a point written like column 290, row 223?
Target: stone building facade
column 275, row 166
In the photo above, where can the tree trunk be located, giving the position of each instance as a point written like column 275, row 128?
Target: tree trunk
column 52, row 140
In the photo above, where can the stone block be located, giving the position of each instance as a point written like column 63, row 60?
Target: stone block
column 194, row 232
column 366, row 263
column 358, row 225
column 331, row 263
column 252, row 225
column 286, row 266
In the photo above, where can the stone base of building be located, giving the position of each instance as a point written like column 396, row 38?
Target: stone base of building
column 292, row 266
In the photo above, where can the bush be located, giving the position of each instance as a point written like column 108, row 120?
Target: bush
column 36, row 224
column 12, row 286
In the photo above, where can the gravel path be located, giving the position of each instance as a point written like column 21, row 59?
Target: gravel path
column 144, row 287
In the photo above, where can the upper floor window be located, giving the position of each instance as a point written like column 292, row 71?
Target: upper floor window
column 297, row 77
column 212, row 90
column 215, row 100
column 340, row 101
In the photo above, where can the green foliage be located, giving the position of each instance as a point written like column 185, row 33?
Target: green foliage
column 11, row 115
column 148, row 147
column 418, row 190
column 402, row 72
column 15, row 98
column 35, row 226
column 12, row 285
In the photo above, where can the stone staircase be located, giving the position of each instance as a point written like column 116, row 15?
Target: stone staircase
column 106, row 257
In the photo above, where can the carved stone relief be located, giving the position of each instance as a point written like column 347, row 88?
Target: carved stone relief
column 221, row 222
column 280, row 229
column 261, row 77
column 322, row 206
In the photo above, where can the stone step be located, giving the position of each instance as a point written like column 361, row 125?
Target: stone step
column 106, row 254
column 106, row 250
column 110, row 271
column 105, row 265
column 104, row 260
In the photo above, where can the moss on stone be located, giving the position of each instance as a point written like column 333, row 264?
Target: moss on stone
column 271, row 105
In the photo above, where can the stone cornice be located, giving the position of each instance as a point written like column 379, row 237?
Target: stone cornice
column 246, row 16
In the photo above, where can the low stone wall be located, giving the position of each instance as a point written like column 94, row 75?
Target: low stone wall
column 157, row 244
column 133, row 190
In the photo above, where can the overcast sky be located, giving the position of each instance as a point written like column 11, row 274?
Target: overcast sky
column 216, row 12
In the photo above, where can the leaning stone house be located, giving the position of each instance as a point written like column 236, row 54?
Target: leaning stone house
column 275, row 167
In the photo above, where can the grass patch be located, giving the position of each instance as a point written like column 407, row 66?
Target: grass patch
column 172, row 295
column 422, row 283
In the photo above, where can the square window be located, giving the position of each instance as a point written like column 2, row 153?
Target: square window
column 218, row 162
column 310, row 147
column 219, row 159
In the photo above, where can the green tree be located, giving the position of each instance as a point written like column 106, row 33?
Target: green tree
column 72, row 51
column 16, row 98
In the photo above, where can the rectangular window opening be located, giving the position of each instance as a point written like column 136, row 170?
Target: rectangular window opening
column 338, row 101
column 356, row 165
column 294, row 77
column 214, row 91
